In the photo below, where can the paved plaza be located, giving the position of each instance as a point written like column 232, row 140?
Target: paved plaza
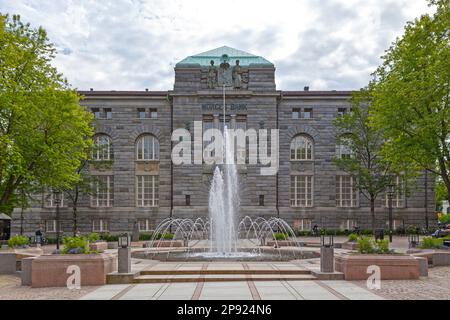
column 244, row 290
column 435, row 287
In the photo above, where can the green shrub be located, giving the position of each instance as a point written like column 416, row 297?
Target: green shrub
column 444, row 218
column 145, row 236
column 109, row 237
column 94, row 237
column 279, row 236
column 75, row 245
column 432, row 243
column 18, row 241
column 353, row 237
column 366, row 232
column 365, row 245
column 368, row 245
column 167, row 236
column 411, row 230
column 304, row 233
column 382, row 246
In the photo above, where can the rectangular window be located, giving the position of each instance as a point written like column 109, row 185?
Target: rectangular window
column 97, row 113
column 348, row 224
column 296, row 113
column 154, row 113
column 142, row 113
column 261, row 200
column 50, row 200
column 147, row 191
column 341, row 112
column 346, row 193
column 99, row 225
column 50, row 226
column 103, row 191
column 308, row 113
column 301, row 191
column 144, row 225
column 398, row 200
column 108, row 113
column 303, row 225
column 396, row 224
column 188, row 200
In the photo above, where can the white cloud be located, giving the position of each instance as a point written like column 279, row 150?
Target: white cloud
column 134, row 44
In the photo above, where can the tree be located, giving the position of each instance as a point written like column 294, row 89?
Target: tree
column 82, row 187
column 371, row 173
column 44, row 133
column 411, row 98
column 440, row 193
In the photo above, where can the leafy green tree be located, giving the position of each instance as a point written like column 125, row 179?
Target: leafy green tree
column 371, row 173
column 44, row 133
column 411, row 97
column 440, row 193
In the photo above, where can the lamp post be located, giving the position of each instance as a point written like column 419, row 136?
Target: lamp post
column 124, row 254
column 57, row 195
column 390, row 194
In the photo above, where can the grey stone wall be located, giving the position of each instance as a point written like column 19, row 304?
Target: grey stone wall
column 266, row 108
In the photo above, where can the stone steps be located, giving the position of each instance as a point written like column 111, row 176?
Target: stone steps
column 225, row 272
column 221, row 278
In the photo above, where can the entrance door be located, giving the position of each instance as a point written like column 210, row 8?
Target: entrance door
column 5, row 229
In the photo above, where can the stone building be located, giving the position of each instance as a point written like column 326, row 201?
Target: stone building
column 140, row 185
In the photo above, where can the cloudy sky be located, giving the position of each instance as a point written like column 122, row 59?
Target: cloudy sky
column 134, row 44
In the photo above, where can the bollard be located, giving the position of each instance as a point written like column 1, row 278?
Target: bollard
column 124, row 260
column 327, row 254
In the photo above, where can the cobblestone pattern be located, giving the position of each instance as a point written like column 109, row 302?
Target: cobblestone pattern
column 435, row 287
column 10, row 289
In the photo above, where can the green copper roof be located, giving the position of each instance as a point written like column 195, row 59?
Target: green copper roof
column 245, row 59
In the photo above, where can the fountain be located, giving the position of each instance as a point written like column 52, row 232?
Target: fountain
column 221, row 236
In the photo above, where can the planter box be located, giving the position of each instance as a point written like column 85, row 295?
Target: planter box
column 350, row 246
column 393, row 267
column 51, row 270
column 8, row 263
column 167, row 244
column 282, row 243
column 98, row 246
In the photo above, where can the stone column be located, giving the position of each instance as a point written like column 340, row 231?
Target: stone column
column 233, row 121
column 124, row 260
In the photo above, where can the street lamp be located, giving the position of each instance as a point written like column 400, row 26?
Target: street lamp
column 57, row 195
column 124, row 241
column 390, row 193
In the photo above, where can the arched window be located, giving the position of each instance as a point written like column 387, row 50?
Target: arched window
column 343, row 148
column 102, row 148
column 147, row 148
column 302, row 148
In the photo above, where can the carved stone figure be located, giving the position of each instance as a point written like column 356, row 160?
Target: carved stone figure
column 225, row 77
column 237, row 76
column 212, row 76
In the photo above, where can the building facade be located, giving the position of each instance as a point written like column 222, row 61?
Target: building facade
column 138, row 185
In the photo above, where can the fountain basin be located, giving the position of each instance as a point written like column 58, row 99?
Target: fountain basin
column 242, row 254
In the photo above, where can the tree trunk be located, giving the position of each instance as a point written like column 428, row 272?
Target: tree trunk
column 75, row 221
column 372, row 213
